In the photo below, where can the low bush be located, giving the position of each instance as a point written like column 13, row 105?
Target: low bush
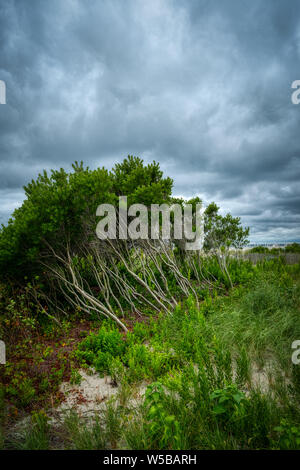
column 99, row 348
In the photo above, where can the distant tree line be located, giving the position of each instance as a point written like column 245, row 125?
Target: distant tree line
column 290, row 248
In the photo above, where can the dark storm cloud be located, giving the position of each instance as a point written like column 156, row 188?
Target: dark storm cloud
column 203, row 87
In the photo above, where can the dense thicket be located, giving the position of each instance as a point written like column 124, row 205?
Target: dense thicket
column 52, row 236
column 58, row 206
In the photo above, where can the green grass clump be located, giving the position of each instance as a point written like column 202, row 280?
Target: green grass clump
column 81, row 436
column 33, row 436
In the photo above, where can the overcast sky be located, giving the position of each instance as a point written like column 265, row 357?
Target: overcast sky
column 202, row 86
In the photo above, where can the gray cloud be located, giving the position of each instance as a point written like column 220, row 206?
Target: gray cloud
column 203, row 87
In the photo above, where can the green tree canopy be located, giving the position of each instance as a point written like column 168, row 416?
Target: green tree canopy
column 223, row 231
column 57, row 206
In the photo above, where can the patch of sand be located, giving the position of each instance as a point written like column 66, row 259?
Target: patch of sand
column 92, row 394
column 89, row 396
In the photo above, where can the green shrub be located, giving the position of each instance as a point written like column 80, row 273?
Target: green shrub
column 75, row 378
column 148, row 361
column 99, row 348
column 21, row 390
column 162, row 430
column 228, row 403
column 289, row 435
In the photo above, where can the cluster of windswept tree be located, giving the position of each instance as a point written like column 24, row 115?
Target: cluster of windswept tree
column 52, row 237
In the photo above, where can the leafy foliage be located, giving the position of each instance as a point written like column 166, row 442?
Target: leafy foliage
column 59, row 205
column 223, row 231
column 98, row 349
